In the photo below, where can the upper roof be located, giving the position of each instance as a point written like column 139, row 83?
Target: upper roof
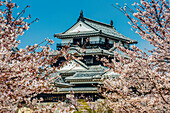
column 85, row 27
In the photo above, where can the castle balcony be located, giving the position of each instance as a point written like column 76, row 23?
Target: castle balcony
column 88, row 45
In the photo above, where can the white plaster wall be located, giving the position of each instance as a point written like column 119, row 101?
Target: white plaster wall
column 81, row 28
column 67, row 40
column 94, row 38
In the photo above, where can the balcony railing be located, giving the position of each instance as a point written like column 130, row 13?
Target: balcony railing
column 87, row 45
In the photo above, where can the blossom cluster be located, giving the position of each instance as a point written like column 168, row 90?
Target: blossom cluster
column 24, row 73
column 145, row 76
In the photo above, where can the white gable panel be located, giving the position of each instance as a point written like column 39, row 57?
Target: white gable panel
column 80, row 26
column 72, row 66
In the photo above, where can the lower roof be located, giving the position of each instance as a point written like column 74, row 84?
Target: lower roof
column 78, row 89
column 91, row 34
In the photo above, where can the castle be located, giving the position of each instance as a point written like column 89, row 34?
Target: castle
column 82, row 76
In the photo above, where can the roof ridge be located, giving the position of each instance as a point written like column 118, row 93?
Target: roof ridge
column 90, row 26
column 108, row 25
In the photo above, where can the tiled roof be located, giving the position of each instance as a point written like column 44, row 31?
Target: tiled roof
column 87, row 51
column 75, row 34
column 106, row 29
column 90, row 82
column 78, row 89
column 100, row 29
column 88, row 74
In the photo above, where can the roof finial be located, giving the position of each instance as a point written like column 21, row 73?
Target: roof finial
column 81, row 16
column 111, row 22
column 81, row 13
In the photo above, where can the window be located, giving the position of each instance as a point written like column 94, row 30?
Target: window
column 84, row 40
column 77, row 41
column 106, row 40
column 89, row 61
column 100, row 40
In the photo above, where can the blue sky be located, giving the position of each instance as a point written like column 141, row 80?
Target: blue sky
column 56, row 16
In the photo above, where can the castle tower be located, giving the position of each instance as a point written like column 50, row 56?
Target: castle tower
column 80, row 76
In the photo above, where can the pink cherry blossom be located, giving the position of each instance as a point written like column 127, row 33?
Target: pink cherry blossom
column 24, row 73
column 143, row 84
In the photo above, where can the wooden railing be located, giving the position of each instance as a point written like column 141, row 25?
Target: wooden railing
column 91, row 44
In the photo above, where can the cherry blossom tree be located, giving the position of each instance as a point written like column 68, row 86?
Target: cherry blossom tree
column 144, row 84
column 24, row 73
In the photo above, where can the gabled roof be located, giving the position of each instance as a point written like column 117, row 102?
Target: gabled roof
column 73, row 66
column 97, row 29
